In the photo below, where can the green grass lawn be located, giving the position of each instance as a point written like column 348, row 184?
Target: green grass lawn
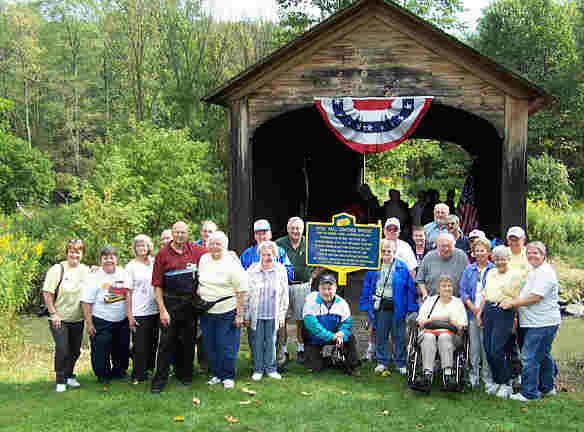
column 300, row 402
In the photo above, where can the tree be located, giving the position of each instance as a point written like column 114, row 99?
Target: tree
column 537, row 39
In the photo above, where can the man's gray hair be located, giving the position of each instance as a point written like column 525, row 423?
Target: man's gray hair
column 145, row 239
column 445, row 236
column 294, row 220
column 268, row 245
column 221, row 237
column 442, row 205
column 537, row 245
column 501, row 251
column 453, row 218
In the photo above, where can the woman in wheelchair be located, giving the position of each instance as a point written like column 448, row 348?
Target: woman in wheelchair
column 441, row 321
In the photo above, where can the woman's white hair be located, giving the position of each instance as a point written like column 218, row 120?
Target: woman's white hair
column 501, row 251
column 537, row 245
column 145, row 239
column 268, row 245
column 221, row 237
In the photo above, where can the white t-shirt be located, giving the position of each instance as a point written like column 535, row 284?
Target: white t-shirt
column 405, row 253
column 543, row 282
column 479, row 290
column 105, row 292
column 143, row 299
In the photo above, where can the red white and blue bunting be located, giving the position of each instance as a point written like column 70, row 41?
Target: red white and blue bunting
column 373, row 125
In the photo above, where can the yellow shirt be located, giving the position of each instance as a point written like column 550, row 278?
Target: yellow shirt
column 519, row 262
column 221, row 278
column 502, row 286
column 67, row 303
column 454, row 310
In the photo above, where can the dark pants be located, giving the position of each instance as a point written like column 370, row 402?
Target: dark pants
column 68, row 340
column 181, row 328
column 202, row 357
column 110, row 349
column 315, row 361
column 221, row 338
column 145, row 340
column 498, row 329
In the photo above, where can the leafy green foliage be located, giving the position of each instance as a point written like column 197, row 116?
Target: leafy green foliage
column 26, row 175
column 548, row 181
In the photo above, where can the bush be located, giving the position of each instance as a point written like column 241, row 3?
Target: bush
column 26, row 175
column 18, row 265
column 548, row 181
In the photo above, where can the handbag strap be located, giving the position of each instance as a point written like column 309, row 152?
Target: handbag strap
column 433, row 306
column 60, row 280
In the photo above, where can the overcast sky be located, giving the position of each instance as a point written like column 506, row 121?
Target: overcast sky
column 267, row 8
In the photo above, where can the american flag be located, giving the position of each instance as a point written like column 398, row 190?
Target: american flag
column 467, row 210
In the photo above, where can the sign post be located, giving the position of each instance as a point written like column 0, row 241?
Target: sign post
column 343, row 245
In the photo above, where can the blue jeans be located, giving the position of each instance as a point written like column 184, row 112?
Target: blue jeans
column 263, row 340
column 221, row 339
column 110, row 348
column 384, row 323
column 538, row 367
column 498, row 329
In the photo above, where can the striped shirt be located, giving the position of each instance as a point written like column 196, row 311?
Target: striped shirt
column 267, row 297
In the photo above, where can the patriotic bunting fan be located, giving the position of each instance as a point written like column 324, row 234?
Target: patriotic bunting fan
column 373, row 125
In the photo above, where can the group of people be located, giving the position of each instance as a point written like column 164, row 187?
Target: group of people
column 505, row 297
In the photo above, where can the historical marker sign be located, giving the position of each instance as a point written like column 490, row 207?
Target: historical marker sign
column 342, row 245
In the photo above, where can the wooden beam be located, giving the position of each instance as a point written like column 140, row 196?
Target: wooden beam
column 514, row 165
column 240, row 179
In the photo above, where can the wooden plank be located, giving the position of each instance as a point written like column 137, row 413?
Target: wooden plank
column 240, row 183
column 514, row 165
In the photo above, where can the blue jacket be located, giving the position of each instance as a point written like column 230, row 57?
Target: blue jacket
column 321, row 322
column 404, row 291
column 251, row 255
column 468, row 284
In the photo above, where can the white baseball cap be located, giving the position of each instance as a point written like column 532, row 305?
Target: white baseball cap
column 515, row 232
column 261, row 225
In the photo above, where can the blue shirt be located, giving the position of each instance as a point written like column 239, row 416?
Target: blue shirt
column 251, row 255
column 468, row 284
column 432, row 230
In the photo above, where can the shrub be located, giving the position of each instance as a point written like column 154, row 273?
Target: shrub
column 548, row 181
column 18, row 265
column 26, row 174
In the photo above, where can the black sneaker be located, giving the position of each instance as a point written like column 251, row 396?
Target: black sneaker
column 300, row 357
column 157, row 388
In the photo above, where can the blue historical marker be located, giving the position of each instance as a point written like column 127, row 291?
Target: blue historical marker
column 343, row 246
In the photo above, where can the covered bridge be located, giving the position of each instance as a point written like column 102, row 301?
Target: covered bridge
column 285, row 160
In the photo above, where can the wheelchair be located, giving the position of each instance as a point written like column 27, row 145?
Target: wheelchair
column 461, row 365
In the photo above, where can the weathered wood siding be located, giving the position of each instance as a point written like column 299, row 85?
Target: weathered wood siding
column 375, row 59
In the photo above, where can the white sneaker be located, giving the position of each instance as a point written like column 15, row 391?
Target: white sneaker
column 275, row 375
column 72, row 382
column 228, row 383
column 214, row 381
column 518, row 397
column 257, row 376
column 61, row 388
column 552, row 392
column 369, row 355
column 403, row 370
column 380, row 369
column 504, row 391
column 491, row 388
column 474, row 380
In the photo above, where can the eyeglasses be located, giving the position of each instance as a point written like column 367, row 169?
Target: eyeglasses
column 392, row 229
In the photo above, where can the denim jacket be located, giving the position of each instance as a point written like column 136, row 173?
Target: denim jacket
column 468, row 284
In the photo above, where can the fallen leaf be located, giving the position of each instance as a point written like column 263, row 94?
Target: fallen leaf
column 248, row 391
column 344, row 393
column 305, row 393
column 523, row 409
column 231, row 419
column 385, row 412
column 196, row 401
column 257, row 402
column 178, row 419
column 419, row 425
column 386, row 373
column 245, row 402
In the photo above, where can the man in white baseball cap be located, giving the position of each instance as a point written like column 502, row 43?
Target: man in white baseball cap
column 516, row 243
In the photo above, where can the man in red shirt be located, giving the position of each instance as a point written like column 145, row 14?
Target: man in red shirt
column 172, row 279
